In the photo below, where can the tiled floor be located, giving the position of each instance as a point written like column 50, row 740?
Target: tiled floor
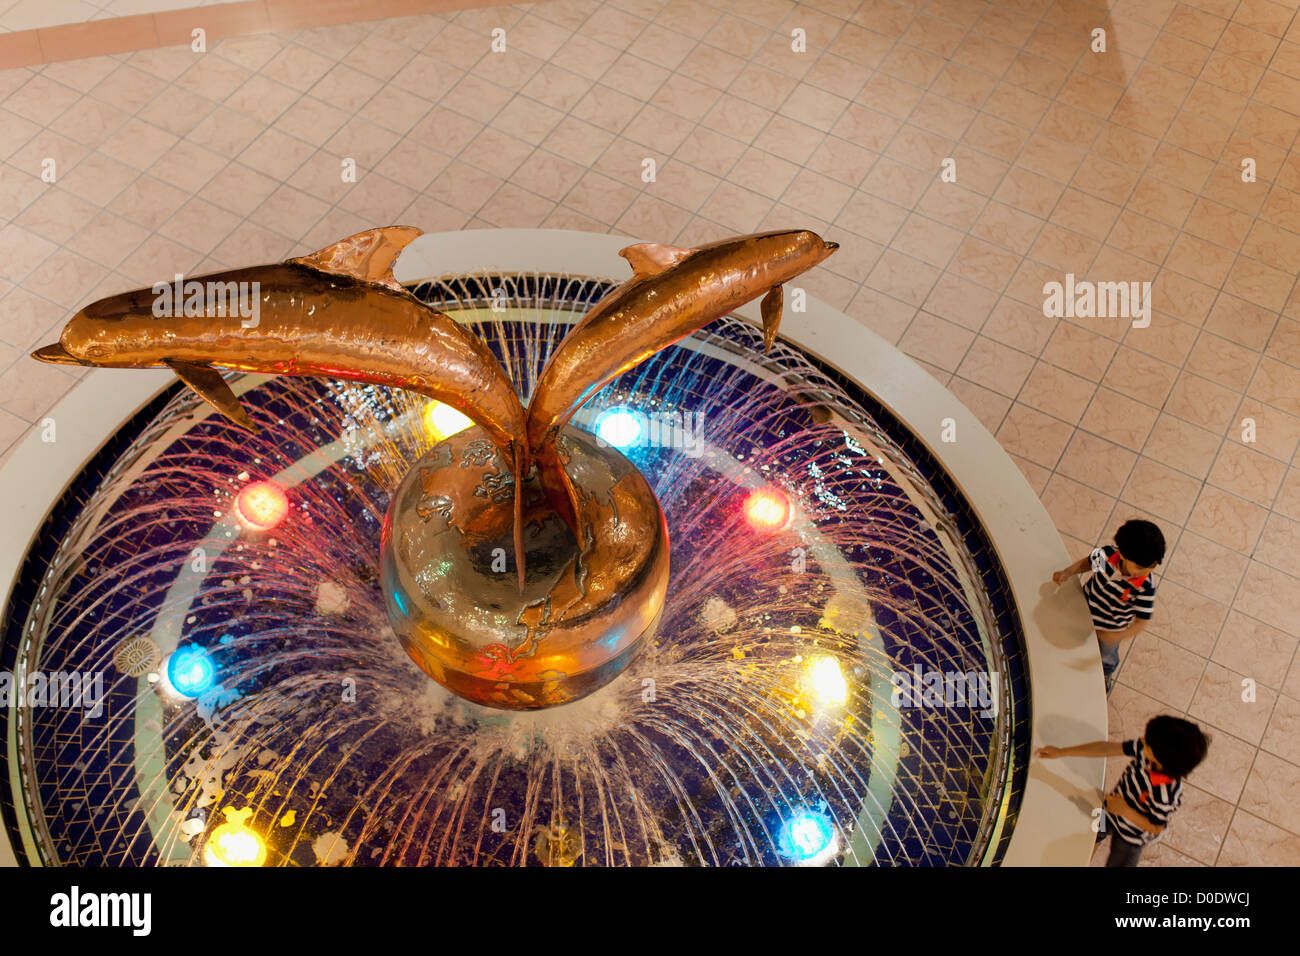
column 31, row 14
column 1116, row 166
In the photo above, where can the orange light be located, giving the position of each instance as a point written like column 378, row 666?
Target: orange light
column 262, row 505
column 767, row 510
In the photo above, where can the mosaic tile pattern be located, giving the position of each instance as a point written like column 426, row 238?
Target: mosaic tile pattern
column 1122, row 166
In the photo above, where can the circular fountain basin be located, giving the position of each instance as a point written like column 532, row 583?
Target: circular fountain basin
column 786, row 710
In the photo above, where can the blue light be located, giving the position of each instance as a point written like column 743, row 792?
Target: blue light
column 190, row 671
column 808, row 837
column 620, row 427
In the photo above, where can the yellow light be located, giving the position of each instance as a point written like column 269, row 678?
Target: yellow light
column 442, row 421
column 826, row 681
column 234, row 843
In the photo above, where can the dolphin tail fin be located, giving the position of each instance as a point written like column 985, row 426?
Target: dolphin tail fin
column 560, row 491
column 519, row 512
column 208, row 384
column 771, row 309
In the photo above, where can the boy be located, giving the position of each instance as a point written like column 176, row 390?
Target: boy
column 1151, row 787
column 1120, row 592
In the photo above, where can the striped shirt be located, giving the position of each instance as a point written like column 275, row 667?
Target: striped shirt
column 1151, row 793
column 1115, row 600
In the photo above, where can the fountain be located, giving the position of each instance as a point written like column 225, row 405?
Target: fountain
column 267, row 695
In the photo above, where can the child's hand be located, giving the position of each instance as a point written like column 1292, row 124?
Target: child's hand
column 1060, row 577
column 1048, row 753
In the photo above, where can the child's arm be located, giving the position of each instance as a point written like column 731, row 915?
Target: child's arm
column 1083, row 564
column 1133, row 630
column 1097, row 748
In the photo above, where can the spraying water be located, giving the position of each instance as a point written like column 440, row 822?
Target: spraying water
column 817, row 579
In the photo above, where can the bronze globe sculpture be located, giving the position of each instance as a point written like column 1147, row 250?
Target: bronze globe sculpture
column 523, row 562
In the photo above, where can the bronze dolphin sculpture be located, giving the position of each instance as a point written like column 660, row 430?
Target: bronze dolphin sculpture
column 672, row 293
column 336, row 313
column 339, row 313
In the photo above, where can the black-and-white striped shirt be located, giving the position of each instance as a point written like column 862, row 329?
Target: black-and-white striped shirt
column 1151, row 793
column 1113, row 599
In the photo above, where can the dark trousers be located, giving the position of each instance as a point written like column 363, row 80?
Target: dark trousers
column 1122, row 853
column 1109, row 661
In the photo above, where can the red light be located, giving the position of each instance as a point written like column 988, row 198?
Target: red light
column 767, row 510
column 262, row 505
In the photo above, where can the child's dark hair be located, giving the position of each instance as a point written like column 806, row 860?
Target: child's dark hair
column 1178, row 745
column 1141, row 542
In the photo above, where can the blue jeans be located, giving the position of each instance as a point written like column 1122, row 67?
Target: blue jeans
column 1109, row 661
column 1122, row 853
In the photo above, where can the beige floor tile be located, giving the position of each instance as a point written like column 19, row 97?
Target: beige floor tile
column 1095, row 462
column 1184, row 298
column 1288, row 498
column 1085, row 214
column 1076, row 509
column 1277, row 384
column 1186, row 618
column 1166, row 338
column 1160, row 491
column 1140, row 377
column 1226, row 767
column 1206, row 567
column 1079, row 350
column 1182, row 445
column 936, row 341
column 1247, row 473
column 1162, row 670
column 888, row 317
column 1271, row 596
column 1279, row 546
column 1201, row 402
column 1232, row 702
column 989, row 406
column 1265, row 429
column 1272, row 791
column 996, row 366
column 1227, row 519
column 1255, row 842
column 1254, row 649
column 962, row 301
column 1200, row 825
column 1119, row 419
column 1282, row 736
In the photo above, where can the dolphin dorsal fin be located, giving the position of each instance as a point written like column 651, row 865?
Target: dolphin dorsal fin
column 651, row 258
column 368, row 256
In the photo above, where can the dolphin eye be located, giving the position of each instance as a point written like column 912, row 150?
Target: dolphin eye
column 96, row 351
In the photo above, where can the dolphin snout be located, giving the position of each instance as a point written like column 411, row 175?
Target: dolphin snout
column 827, row 249
column 56, row 354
